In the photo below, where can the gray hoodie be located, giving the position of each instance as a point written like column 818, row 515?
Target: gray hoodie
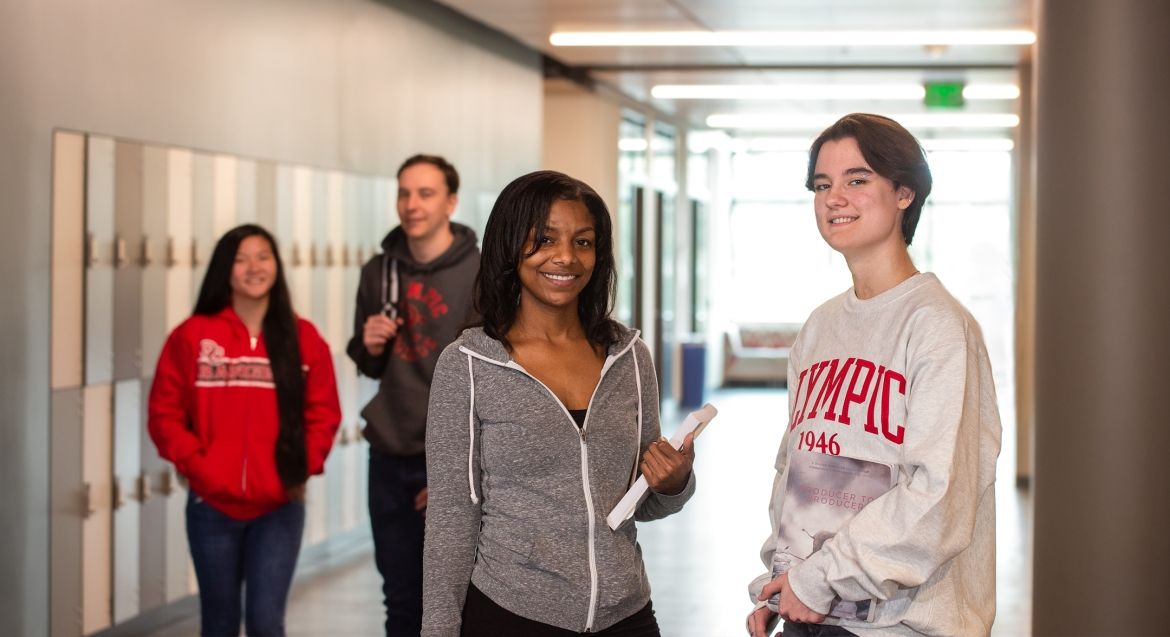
column 519, row 494
column 434, row 302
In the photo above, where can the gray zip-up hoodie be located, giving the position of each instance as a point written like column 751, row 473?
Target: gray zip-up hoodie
column 519, row 494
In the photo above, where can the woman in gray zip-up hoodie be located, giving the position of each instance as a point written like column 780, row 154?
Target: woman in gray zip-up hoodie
column 520, row 481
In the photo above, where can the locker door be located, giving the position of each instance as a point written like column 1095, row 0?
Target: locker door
column 224, row 199
column 155, row 260
column 99, row 272
column 282, row 220
column 245, row 191
column 313, row 307
column 128, row 253
column 127, row 508
column 97, row 568
column 68, row 249
column 178, row 308
column 203, row 236
column 266, row 195
column 128, row 220
column 68, row 513
column 333, row 224
column 153, row 521
column 358, row 193
column 300, row 281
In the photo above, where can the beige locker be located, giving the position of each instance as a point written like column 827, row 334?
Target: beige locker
column 99, row 260
column 68, row 251
column 179, row 292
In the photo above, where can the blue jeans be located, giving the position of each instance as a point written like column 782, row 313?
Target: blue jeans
column 258, row 556
column 398, row 537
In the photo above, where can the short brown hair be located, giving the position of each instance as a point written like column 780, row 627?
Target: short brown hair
column 449, row 172
column 890, row 150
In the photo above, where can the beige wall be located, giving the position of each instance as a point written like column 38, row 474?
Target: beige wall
column 353, row 85
column 581, row 136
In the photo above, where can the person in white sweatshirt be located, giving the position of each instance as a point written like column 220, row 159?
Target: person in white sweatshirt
column 893, row 371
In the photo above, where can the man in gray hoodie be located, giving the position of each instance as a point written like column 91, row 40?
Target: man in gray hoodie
column 412, row 301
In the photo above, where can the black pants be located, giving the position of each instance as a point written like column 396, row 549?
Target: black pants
column 797, row 629
column 398, row 537
column 484, row 618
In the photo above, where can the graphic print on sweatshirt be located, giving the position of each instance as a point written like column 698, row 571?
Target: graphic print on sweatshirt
column 215, row 369
column 421, row 303
column 852, row 396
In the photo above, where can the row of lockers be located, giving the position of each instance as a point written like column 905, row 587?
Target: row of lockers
column 118, row 545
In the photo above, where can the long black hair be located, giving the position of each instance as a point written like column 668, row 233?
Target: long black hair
column 523, row 206
column 281, row 338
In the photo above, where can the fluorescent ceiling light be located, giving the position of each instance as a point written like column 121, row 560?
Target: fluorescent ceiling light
column 991, row 92
column 806, row 121
column 911, row 92
column 793, row 38
column 802, row 144
column 633, row 144
column 1001, row 144
column 789, row 91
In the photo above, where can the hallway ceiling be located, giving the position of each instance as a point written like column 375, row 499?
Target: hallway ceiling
column 635, row 70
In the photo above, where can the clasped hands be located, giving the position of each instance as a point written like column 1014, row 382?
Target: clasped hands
column 791, row 608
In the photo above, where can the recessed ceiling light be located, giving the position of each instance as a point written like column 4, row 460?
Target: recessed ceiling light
column 806, row 121
column 793, row 38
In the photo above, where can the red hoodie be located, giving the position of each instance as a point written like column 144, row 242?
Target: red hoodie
column 213, row 411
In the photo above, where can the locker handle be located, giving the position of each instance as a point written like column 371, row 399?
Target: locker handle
column 168, row 482
column 296, row 254
column 119, row 252
column 91, row 250
column 329, row 258
column 345, row 255
column 119, row 497
column 361, row 255
column 194, row 251
column 143, row 488
column 172, row 258
column 343, row 436
column 313, row 255
column 146, row 258
column 90, row 507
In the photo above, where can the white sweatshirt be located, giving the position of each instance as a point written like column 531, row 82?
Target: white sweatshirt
column 902, row 379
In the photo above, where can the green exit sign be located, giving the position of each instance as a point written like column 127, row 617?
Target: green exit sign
column 944, row 94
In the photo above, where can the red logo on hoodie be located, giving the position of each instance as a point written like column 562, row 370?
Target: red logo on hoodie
column 421, row 303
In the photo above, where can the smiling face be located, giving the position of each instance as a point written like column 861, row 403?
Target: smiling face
column 425, row 204
column 555, row 275
column 858, row 211
column 254, row 270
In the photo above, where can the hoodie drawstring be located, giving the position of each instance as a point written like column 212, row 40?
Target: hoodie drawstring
column 471, row 432
column 638, row 439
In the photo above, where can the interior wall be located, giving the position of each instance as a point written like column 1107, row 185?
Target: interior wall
column 354, row 85
column 580, row 137
column 1102, row 307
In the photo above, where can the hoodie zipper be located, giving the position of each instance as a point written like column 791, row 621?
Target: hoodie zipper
column 582, row 435
column 253, row 341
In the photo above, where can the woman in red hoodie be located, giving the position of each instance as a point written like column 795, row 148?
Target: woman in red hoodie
column 244, row 403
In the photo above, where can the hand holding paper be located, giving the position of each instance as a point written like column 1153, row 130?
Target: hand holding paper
column 695, row 422
column 667, row 469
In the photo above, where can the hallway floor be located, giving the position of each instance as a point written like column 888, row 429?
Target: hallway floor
column 700, row 560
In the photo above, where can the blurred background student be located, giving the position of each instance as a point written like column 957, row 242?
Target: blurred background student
column 244, row 403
